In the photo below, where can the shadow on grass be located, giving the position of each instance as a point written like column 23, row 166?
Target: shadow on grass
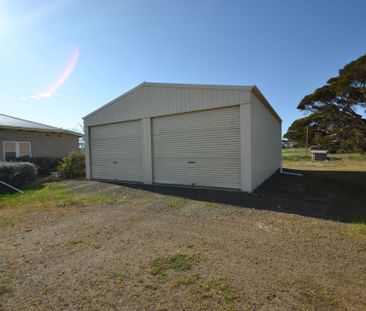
column 332, row 195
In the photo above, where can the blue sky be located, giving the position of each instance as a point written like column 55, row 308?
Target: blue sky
column 60, row 60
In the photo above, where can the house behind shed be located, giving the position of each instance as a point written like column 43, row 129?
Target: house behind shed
column 21, row 138
column 185, row 134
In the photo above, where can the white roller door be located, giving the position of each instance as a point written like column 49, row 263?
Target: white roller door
column 199, row 148
column 116, row 151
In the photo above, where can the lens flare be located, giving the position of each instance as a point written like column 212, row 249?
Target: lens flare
column 63, row 76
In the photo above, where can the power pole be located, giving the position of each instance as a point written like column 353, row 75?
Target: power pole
column 307, row 141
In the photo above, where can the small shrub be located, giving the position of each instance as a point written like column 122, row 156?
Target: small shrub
column 45, row 165
column 72, row 166
column 17, row 173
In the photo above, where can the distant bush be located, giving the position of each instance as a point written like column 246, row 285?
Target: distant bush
column 45, row 165
column 72, row 166
column 17, row 173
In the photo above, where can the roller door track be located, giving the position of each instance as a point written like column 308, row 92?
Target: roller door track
column 116, row 151
column 198, row 148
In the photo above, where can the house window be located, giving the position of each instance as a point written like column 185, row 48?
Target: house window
column 16, row 149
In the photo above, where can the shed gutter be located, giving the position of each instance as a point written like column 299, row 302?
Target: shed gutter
column 41, row 130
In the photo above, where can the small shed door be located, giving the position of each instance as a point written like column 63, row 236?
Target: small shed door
column 198, row 148
column 116, row 151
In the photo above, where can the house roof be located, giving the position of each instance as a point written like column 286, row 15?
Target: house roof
column 251, row 88
column 9, row 122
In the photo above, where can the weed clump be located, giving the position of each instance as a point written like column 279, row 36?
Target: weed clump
column 177, row 262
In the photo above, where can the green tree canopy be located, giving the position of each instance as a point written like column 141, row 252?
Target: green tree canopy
column 337, row 110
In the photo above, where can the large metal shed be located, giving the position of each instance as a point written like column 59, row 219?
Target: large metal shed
column 185, row 134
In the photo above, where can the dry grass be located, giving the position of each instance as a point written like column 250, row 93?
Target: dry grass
column 81, row 245
column 53, row 195
column 321, row 297
column 16, row 206
column 296, row 159
column 357, row 230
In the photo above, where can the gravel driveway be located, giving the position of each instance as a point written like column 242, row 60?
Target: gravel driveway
column 208, row 251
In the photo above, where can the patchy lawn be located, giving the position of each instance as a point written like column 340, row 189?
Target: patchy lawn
column 297, row 243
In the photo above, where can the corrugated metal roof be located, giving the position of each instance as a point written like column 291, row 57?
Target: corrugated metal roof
column 17, row 123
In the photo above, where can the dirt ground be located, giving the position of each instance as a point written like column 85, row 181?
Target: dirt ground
column 184, row 249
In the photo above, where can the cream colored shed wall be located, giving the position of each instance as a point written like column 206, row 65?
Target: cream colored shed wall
column 245, row 148
column 260, row 126
column 149, row 101
column 265, row 141
column 87, row 153
column 153, row 100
